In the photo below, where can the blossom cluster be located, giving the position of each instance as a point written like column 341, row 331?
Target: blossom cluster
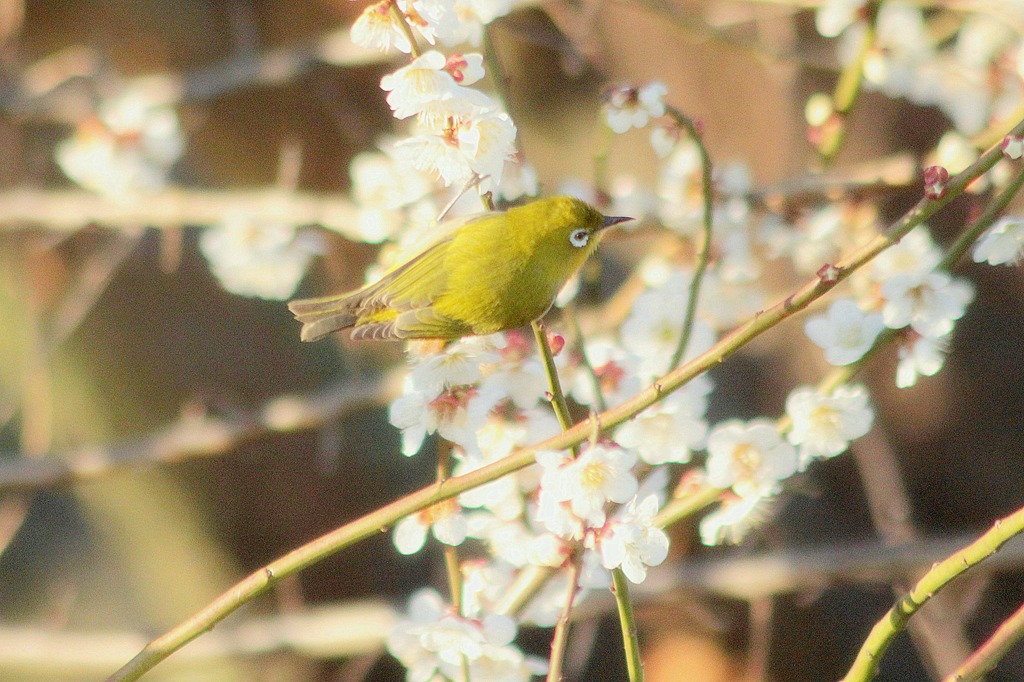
column 902, row 289
column 462, row 135
column 972, row 76
column 126, row 148
column 436, row 644
column 598, row 509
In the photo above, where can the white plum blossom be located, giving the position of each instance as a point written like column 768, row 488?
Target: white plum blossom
column 505, row 664
column 930, row 303
column 834, row 16
column 434, row 85
column 736, row 516
column 902, row 45
column 496, row 439
column 633, row 542
column 1002, row 244
column 548, row 550
column 478, row 144
column 671, row 430
column 655, row 323
column 430, row 18
column 484, row 584
column 924, row 356
column 517, row 372
column 472, row 16
column 915, row 254
column 252, row 256
column 444, row 519
column 378, row 27
column 593, row 576
column 630, row 107
column 967, row 73
column 815, row 239
column 845, row 332
column 1012, row 146
column 583, row 487
column 455, row 414
column 453, row 637
column 749, row 457
column 664, row 138
column 824, row 425
column 511, row 542
column 126, row 148
column 434, row 641
column 458, row 365
column 382, row 189
column 550, row 512
column 680, row 189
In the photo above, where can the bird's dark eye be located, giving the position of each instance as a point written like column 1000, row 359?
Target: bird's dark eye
column 579, row 238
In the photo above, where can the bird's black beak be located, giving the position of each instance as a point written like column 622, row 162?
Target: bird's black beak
column 610, row 220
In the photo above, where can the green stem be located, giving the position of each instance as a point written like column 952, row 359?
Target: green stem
column 704, row 252
column 558, row 403
column 682, row 507
column 885, row 630
column 451, row 553
column 561, row 636
column 487, row 199
column 403, row 22
column 525, row 585
column 852, row 77
column 630, row 641
column 982, row 223
column 371, row 524
column 847, row 90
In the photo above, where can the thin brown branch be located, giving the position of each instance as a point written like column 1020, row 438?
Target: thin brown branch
column 329, row 631
column 39, row 92
column 70, row 210
column 992, row 651
column 193, row 437
column 795, row 570
column 938, row 631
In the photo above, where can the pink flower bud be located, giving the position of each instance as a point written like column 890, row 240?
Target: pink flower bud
column 1012, row 146
column 557, row 343
column 935, row 178
column 828, row 273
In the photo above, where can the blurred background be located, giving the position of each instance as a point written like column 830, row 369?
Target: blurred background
column 161, row 437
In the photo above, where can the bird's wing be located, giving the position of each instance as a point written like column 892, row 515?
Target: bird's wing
column 415, row 284
column 427, row 323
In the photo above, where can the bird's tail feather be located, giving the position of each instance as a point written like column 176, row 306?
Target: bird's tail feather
column 321, row 316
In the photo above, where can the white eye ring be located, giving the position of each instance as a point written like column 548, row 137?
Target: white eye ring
column 579, row 238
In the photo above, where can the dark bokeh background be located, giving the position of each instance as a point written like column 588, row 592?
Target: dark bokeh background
column 141, row 549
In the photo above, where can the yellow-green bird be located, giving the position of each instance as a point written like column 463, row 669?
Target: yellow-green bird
column 492, row 272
